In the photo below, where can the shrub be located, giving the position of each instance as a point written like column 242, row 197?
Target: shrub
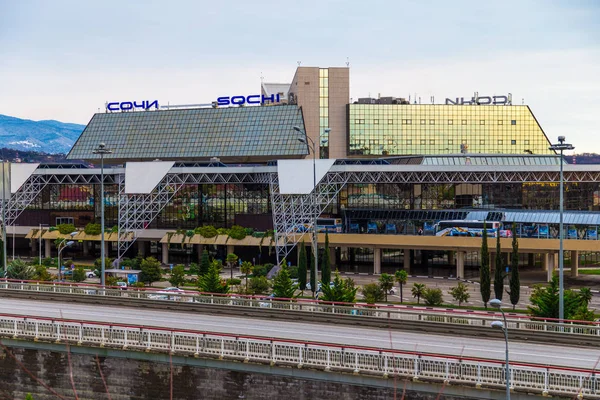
column 259, row 270
column 373, row 293
column 92, row 229
column 237, row 232
column 139, row 285
column 293, row 271
column 194, row 269
column 259, row 285
column 65, row 229
column 41, row 273
column 207, row 231
column 17, row 269
column 79, row 275
column 222, row 231
column 433, row 297
column 234, row 282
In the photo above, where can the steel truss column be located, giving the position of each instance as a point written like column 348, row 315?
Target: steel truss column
column 294, row 214
column 137, row 211
column 20, row 200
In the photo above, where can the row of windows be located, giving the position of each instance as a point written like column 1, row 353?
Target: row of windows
column 431, row 122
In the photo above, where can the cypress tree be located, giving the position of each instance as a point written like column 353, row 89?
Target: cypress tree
column 302, row 268
column 484, row 272
column 326, row 264
column 313, row 274
column 204, row 264
column 515, row 282
column 498, row 276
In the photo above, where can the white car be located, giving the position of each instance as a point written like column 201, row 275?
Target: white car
column 122, row 285
column 90, row 274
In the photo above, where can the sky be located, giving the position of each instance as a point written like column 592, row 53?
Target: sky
column 64, row 59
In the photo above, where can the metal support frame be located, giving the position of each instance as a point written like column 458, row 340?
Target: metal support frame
column 294, row 214
column 23, row 197
column 137, row 211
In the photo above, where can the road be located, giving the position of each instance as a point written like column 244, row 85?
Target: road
column 465, row 346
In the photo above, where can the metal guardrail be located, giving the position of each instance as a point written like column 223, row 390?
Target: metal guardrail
column 320, row 356
column 388, row 312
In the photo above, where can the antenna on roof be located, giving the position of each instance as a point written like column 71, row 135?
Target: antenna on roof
column 432, row 100
column 299, row 62
column 347, row 62
column 262, row 79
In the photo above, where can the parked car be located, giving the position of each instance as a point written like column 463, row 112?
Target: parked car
column 122, row 285
column 90, row 274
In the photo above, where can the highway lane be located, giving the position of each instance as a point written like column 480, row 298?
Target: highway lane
column 302, row 331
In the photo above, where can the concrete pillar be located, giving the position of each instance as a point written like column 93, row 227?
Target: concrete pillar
column 451, row 257
column 530, row 260
column 406, row 258
column 165, row 253
column 86, row 248
column 376, row 261
column 545, row 258
column 574, row 263
column 230, row 249
column 460, row 264
column 549, row 265
column 47, row 248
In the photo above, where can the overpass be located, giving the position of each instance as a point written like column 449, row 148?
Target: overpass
column 447, row 364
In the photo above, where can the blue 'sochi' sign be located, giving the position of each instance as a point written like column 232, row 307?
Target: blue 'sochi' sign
column 252, row 99
column 131, row 105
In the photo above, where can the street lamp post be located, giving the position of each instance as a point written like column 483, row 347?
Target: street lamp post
column 5, row 187
column 561, row 146
column 13, row 242
column 498, row 324
column 311, row 143
column 40, row 242
column 61, row 246
column 102, row 150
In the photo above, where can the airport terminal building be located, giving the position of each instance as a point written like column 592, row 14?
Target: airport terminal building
column 387, row 170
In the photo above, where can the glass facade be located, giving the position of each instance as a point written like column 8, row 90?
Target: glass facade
column 400, row 129
column 323, row 112
column 237, row 132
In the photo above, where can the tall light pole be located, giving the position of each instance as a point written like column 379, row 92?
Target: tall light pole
column 13, row 241
column 311, row 143
column 561, row 146
column 5, row 165
column 40, row 242
column 102, row 150
column 498, row 324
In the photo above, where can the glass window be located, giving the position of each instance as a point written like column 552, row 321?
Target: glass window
column 390, row 122
column 481, row 122
column 482, row 142
column 513, row 122
column 431, row 141
column 423, row 141
column 409, row 121
column 513, row 142
column 464, row 121
column 450, row 122
column 432, row 122
column 526, row 141
column 375, row 122
column 422, row 122
column 450, row 141
column 499, row 122
column 500, row 141
column 403, row 122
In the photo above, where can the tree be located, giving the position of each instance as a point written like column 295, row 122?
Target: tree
column 401, row 277
column 231, row 260
column 433, row 297
column 41, row 273
column 545, row 302
column 79, row 274
column 418, row 290
column 498, row 273
column 585, row 294
column 302, row 268
column 484, row 272
column 246, row 269
column 515, row 282
column 372, row 292
column 17, row 269
column 326, row 264
column 343, row 290
column 151, row 270
column 177, row 275
column 212, row 282
column 204, row 264
column 460, row 293
column 259, row 285
column 313, row 274
column 387, row 282
column 283, row 286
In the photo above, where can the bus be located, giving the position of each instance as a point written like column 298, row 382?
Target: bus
column 470, row 228
column 329, row 225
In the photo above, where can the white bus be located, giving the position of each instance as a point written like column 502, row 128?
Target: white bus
column 470, row 228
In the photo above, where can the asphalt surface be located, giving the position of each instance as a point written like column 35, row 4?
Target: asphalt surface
column 372, row 337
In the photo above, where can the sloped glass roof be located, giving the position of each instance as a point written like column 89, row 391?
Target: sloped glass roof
column 236, row 132
column 536, row 217
column 466, row 159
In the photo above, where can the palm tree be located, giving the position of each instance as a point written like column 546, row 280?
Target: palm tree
column 418, row 290
column 386, row 281
column 246, row 269
column 401, row 277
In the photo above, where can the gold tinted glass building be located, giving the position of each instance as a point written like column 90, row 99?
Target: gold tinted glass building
column 402, row 129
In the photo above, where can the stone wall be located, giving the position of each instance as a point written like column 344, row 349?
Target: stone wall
column 128, row 378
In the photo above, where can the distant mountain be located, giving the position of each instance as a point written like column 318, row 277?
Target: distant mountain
column 50, row 137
